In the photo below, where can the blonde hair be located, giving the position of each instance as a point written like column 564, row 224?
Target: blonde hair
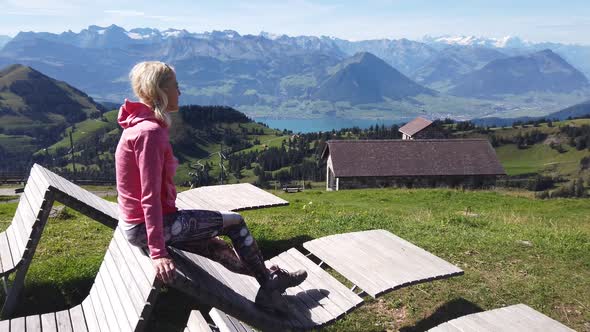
column 148, row 79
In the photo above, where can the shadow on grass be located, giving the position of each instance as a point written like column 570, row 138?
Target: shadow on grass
column 45, row 297
column 271, row 248
column 448, row 311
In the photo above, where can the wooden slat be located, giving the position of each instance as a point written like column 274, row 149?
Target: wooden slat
column 113, row 281
column 332, row 257
column 197, row 323
column 5, row 325
column 90, row 315
column 34, row 197
column 48, row 322
column 390, row 244
column 513, row 318
column 40, row 178
column 29, row 217
column 17, row 324
column 143, row 262
column 370, row 263
column 64, row 323
column 317, row 313
column 112, row 319
column 312, row 287
column 138, row 287
column 5, row 256
column 218, row 203
column 21, row 234
column 101, row 316
column 346, row 299
column 265, row 198
column 223, row 291
column 226, row 323
column 16, row 249
column 33, row 323
column 39, row 186
column 198, row 201
column 78, row 319
column 110, row 301
column 231, row 199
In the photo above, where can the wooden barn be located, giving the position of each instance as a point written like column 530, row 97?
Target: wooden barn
column 468, row 163
column 420, row 128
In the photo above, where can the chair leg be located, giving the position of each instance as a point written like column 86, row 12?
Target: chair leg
column 13, row 292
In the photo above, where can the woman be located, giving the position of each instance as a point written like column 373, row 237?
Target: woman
column 145, row 168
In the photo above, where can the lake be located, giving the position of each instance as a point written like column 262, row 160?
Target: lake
column 323, row 124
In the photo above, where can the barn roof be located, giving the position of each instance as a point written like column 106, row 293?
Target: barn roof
column 414, row 126
column 432, row 157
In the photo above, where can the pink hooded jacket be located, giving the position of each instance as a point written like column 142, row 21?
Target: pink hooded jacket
column 145, row 168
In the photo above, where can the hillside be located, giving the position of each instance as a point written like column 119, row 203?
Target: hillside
column 30, row 100
column 364, row 79
column 542, row 71
column 36, row 108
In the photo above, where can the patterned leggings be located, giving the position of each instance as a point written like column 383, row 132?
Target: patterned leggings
column 197, row 230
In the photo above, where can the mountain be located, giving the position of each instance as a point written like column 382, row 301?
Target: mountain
column 403, row 54
column 542, row 71
column 578, row 110
column 4, row 40
column 34, row 104
column 503, row 42
column 453, row 62
column 364, row 78
column 268, row 75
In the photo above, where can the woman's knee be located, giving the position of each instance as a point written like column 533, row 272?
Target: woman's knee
column 231, row 218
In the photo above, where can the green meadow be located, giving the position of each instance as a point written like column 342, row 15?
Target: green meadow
column 513, row 249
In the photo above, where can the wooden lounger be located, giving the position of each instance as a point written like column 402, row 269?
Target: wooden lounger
column 377, row 261
column 19, row 242
column 120, row 299
column 519, row 317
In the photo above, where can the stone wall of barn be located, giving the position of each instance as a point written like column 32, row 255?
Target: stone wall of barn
column 484, row 181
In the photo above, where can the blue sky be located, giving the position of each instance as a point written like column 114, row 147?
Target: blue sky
column 565, row 21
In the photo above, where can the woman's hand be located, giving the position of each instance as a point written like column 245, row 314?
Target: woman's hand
column 165, row 269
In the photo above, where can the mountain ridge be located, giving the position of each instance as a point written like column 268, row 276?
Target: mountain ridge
column 540, row 71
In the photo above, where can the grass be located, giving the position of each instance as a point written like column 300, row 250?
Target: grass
column 513, row 249
column 540, row 158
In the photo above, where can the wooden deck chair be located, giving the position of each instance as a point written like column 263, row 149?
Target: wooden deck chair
column 120, row 299
column 19, row 241
column 519, row 317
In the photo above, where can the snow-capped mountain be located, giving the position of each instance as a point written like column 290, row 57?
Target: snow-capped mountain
column 503, row 42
